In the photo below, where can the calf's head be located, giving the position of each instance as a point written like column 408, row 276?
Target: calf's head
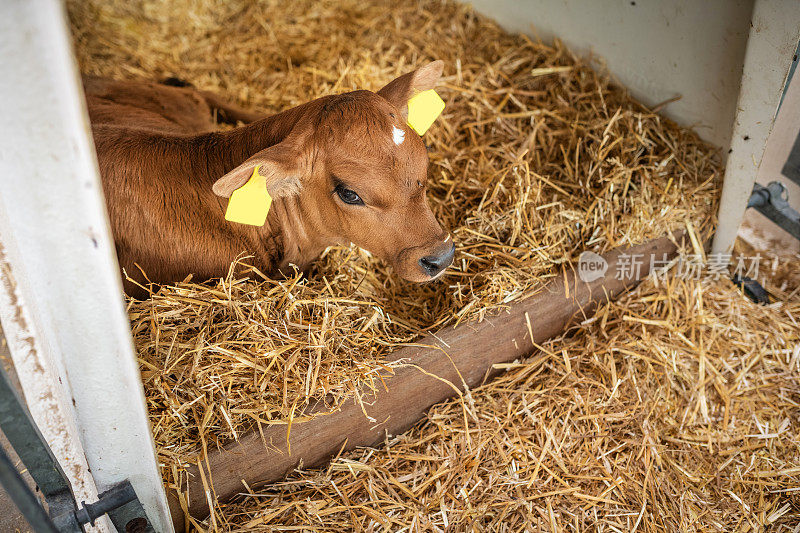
column 359, row 175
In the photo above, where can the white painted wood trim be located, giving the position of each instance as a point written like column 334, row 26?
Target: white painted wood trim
column 772, row 42
column 47, row 400
column 73, row 345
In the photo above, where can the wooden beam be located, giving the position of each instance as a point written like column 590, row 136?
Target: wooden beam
column 458, row 356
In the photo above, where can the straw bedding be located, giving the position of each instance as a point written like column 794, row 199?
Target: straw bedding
column 537, row 157
column 673, row 409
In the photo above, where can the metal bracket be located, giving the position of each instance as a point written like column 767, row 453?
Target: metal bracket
column 752, row 289
column 65, row 516
column 791, row 169
column 772, row 202
column 122, row 506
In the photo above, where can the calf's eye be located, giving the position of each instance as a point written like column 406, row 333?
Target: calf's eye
column 348, row 196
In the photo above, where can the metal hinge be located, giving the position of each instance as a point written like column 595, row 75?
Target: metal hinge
column 120, row 503
column 772, row 202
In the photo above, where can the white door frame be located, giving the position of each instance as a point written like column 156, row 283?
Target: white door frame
column 772, row 43
column 61, row 302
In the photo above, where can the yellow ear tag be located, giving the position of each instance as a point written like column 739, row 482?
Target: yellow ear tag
column 249, row 204
column 423, row 109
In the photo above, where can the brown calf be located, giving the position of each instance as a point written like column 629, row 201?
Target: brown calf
column 340, row 169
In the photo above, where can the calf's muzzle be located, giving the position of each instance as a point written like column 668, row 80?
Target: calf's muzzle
column 435, row 263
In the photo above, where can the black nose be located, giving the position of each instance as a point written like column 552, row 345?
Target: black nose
column 433, row 264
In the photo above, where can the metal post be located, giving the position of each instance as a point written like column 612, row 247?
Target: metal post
column 30, row 446
column 23, row 498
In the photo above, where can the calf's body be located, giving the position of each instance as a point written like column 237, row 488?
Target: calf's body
column 166, row 173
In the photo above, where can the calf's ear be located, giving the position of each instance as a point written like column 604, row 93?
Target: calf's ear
column 281, row 166
column 399, row 90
